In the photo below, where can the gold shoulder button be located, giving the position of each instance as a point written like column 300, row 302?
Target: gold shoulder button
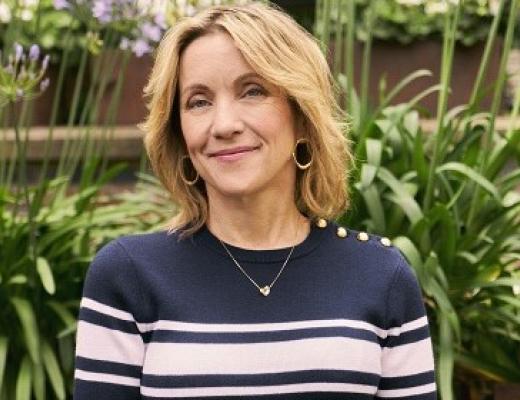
column 342, row 232
column 385, row 241
column 321, row 223
column 362, row 236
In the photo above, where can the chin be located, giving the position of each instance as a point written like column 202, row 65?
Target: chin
column 235, row 187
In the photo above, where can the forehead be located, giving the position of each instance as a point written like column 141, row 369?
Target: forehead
column 209, row 57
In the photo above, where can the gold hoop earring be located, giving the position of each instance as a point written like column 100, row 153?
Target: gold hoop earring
column 187, row 181
column 308, row 156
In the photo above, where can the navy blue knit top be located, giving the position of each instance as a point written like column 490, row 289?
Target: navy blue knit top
column 167, row 319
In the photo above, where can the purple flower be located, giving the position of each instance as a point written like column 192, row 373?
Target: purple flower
column 140, row 47
column 61, row 4
column 151, row 31
column 160, row 21
column 18, row 51
column 102, row 11
column 34, row 52
column 44, row 84
column 45, row 62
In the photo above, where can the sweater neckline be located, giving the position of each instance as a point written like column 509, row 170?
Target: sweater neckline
column 205, row 237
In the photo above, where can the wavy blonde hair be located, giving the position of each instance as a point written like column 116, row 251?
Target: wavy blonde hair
column 283, row 53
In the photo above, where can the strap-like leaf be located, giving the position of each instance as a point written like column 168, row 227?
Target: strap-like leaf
column 473, row 175
column 45, row 272
column 53, row 370
column 27, row 319
column 4, row 346
column 23, row 382
column 38, row 381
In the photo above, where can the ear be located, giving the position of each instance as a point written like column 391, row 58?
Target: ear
column 300, row 124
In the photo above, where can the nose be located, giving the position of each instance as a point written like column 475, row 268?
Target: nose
column 226, row 120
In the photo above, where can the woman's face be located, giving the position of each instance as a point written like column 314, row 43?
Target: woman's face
column 238, row 128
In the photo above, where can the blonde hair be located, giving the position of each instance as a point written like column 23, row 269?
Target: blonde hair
column 283, row 53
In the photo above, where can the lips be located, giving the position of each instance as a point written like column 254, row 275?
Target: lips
column 233, row 150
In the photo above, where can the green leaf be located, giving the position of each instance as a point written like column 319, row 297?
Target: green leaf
column 23, row 381
column 18, row 279
column 512, row 282
column 4, row 346
column 53, row 370
column 473, row 175
column 375, row 207
column 446, row 358
column 489, row 370
column 45, row 272
column 411, row 252
column 38, row 381
column 27, row 319
column 63, row 312
column 374, row 150
column 419, row 160
column 368, row 173
column 405, row 199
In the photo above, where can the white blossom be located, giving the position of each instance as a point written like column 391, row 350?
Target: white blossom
column 493, row 6
column 5, row 13
column 436, row 7
column 29, row 3
column 411, row 2
column 26, row 15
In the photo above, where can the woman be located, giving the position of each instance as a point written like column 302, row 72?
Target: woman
column 252, row 292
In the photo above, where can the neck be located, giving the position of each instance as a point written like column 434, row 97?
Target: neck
column 258, row 222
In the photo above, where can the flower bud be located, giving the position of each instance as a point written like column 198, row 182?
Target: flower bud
column 61, row 4
column 45, row 62
column 18, row 52
column 34, row 52
column 44, row 84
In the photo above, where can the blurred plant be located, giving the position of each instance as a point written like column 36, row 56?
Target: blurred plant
column 409, row 20
column 20, row 76
column 49, row 230
column 36, row 21
column 447, row 199
column 135, row 25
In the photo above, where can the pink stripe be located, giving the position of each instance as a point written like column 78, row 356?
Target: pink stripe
column 107, row 378
column 100, row 343
column 398, row 393
column 255, row 358
column 408, row 359
column 258, row 390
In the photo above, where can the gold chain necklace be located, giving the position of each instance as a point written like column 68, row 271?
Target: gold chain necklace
column 266, row 289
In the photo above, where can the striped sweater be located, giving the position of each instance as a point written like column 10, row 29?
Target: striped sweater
column 167, row 319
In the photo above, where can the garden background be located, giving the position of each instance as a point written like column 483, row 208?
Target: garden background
column 432, row 93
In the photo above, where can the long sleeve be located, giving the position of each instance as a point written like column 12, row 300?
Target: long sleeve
column 407, row 358
column 109, row 346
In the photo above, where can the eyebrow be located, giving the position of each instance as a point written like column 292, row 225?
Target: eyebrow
column 201, row 86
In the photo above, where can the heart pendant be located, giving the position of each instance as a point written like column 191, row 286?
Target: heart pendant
column 265, row 290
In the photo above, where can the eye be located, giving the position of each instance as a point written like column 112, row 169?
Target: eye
column 196, row 103
column 255, row 91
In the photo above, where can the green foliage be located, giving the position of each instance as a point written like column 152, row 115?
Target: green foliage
column 409, row 20
column 446, row 198
column 52, row 224
column 41, row 298
column 53, row 30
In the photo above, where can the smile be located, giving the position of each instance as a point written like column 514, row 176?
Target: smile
column 233, row 154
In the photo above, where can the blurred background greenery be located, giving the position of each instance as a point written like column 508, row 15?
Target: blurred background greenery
column 429, row 88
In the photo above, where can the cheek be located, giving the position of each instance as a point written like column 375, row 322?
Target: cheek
column 193, row 133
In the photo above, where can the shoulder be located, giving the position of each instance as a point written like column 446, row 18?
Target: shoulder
column 117, row 256
column 116, row 273
column 367, row 251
